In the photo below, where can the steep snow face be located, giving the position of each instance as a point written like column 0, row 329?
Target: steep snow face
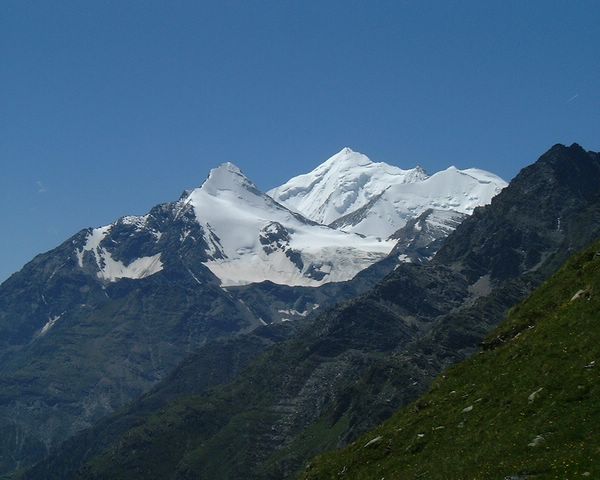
column 342, row 184
column 351, row 193
column 252, row 238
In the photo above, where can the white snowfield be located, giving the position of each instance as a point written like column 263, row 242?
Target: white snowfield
column 338, row 189
column 341, row 185
column 235, row 215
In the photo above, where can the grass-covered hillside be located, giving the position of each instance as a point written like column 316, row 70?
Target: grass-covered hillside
column 526, row 407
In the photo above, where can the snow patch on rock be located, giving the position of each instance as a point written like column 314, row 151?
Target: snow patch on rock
column 49, row 324
column 110, row 269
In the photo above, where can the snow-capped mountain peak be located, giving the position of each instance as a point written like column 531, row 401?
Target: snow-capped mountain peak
column 252, row 238
column 342, row 184
column 226, row 176
column 350, row 192
column 347, row 158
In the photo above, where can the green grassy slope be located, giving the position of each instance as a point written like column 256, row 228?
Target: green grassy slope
column 527, row 406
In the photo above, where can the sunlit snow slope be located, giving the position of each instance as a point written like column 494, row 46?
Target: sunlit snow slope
column 350, row 192
column 252, row 238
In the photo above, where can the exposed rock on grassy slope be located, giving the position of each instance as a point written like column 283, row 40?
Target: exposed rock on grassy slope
column 525, row 407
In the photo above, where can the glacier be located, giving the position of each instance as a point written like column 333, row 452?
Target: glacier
column 352, row 193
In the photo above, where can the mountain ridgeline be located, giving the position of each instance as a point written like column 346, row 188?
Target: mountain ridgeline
column 351, row 367
column 93, row 324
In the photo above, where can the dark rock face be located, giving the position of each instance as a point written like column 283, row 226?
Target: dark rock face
column 274, row 236
column 351, row 367
column 539, row 213
column 76, row 346
column 421, row 237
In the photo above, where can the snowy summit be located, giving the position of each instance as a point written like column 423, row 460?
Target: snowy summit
column 252, row 238
column 352, row 193
column 342, row 184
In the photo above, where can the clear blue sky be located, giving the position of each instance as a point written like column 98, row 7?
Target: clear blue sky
column 110, row 107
